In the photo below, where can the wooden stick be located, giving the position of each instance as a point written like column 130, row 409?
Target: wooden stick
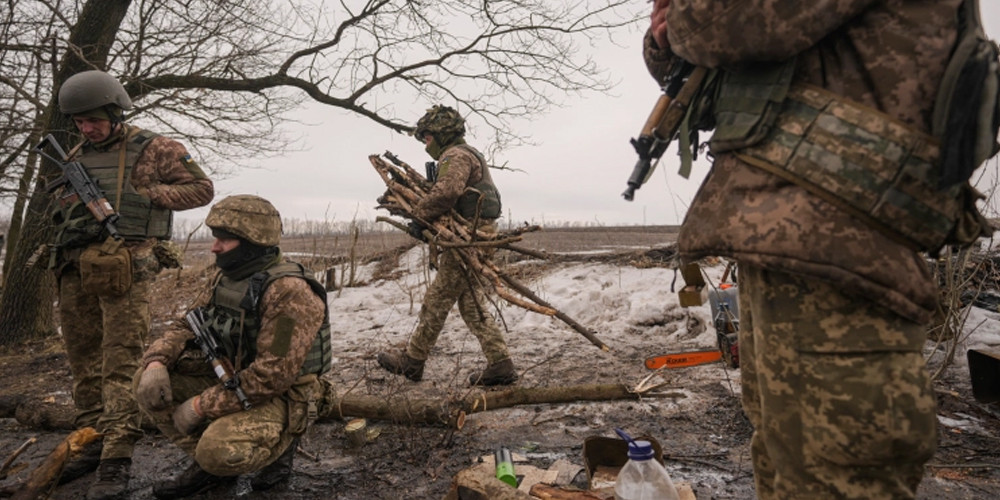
column 43, row 478
column 18, row 451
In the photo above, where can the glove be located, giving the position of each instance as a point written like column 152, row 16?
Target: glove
column 154, row 392
column 417, row 230
column 187, row 417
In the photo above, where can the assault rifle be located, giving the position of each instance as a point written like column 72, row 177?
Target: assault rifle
column 663, row 123
column 80, row 186
column 210, row 347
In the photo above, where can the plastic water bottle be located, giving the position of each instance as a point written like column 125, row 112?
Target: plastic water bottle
column 643, row 477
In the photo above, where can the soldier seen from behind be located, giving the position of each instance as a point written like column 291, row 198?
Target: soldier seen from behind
column 463, row 184
column 270, row 320
column 826, row 185
column 104, row 281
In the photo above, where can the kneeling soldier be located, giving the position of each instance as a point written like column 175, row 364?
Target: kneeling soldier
column 270, row 321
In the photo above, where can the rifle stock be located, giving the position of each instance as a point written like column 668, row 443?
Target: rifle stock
column 80, row 186
column 220, row 365
column 663, row 123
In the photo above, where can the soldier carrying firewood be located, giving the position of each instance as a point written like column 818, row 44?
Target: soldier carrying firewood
column 463, row 183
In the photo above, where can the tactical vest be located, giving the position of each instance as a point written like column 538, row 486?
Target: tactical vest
column 138, row 218
column 879, row 169
column 484, row 189
column 234, row 316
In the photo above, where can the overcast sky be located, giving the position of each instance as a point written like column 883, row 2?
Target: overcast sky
column 576, row 172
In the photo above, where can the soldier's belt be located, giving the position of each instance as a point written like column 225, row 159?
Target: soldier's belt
column 877, row 168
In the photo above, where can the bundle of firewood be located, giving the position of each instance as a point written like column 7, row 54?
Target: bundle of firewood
column 406, row 187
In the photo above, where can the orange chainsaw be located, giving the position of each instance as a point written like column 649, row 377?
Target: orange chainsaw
column 725, row 314
column 683, row 359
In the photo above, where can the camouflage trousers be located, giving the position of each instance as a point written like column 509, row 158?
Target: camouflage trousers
column 836, row 389
column 245, row 441
column 449, row 286
column 104, row 339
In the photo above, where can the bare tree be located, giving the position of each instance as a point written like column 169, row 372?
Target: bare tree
column 222, row 75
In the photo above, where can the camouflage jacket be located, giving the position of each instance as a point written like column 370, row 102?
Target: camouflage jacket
column 458, row 168
column 168, row 175
column 886, row 54
column 269, row 375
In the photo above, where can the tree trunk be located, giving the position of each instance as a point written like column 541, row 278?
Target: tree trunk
column 26, row 302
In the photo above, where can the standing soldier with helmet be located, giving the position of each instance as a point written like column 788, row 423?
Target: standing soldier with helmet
column 104, row 282
column 270, row 318
column 464, row 184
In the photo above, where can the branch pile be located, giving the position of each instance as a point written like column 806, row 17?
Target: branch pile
column 406, row 187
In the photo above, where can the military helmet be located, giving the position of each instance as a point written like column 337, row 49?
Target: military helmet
column 89, row 90
column 440, row 121
column 250, row 217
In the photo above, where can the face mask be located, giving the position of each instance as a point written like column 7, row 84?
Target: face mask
column 433, row 149
column 244, row 257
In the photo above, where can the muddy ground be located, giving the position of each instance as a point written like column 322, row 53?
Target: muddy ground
column 704, row 434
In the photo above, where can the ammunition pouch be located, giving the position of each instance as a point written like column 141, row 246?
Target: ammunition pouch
column 869, row 164
column 301, row 400
column 106, row 269
column 747, row 104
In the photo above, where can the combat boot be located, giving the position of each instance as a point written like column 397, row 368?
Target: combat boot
column 83, row 463
column 400, row 363
column 277, row 472
column 191, row 481
column 499, row 373
column 112, row 479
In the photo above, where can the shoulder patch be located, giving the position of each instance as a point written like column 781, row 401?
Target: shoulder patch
column 282, row 336
column 192, row 166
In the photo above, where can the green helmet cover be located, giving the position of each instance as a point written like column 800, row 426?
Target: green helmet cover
column 442, row 122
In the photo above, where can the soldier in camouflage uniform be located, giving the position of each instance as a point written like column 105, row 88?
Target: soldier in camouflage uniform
column 463, row 184
column 271, row 318
column 145, row 177
column 833, row 305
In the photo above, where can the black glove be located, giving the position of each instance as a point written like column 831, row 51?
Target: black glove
column 416, row 230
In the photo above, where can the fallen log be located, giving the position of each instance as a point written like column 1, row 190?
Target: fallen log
column 45, row 415
column 36, row 413
column 452, row 412
column 404, row 409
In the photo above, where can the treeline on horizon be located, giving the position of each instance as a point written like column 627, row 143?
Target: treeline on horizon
column 307, row 228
